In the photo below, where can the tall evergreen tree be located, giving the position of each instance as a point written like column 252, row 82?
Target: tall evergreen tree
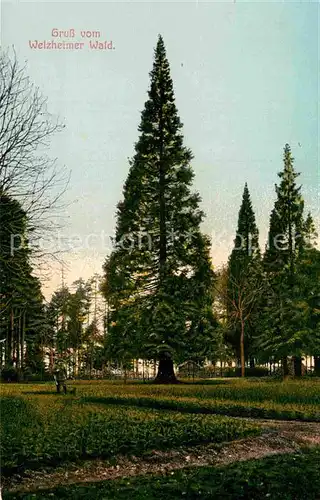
column 246, row 243
column 288, row 240
column 307, row 304
column 33, row 326
column 286, row 233
column 243, row 267
column 159, row 274
column 69, row 317
column 21, row 300
column 310, row 233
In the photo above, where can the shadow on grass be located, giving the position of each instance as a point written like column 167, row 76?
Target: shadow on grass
column 184, row 381
column 41, row 393
column 234, row 410
column 168, row 405
column 211, row 382
column 144, row 403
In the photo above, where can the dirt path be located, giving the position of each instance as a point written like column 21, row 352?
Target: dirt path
column 277, row 437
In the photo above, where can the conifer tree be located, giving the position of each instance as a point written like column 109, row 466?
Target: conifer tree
column 32, row 322
column 246, row 243
column 20, row 295
column 243, row 267
column 307, row 304
column 285, row 331
column 286, row 232
column 159, row 274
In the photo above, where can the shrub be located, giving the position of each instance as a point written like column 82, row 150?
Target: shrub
column 257, row 371
column 10, row 374
column 38, row 377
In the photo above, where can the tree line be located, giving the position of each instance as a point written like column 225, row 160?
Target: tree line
column 31, row 187
column 162, row 289
column 163, row 298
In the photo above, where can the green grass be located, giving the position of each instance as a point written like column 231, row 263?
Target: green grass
column 291, row 400
column 107, row 418
column 51, row 428
column 266, row 409
column 283, row 477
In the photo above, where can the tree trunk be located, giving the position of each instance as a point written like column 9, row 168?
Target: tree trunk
column 297, row 363
column 162, row 200
column 251, row 361
column 1, row 357
column 165, row 373
column 317, row 365
column 23, row 337
column 51, row 360
column 18, row 362
column 285, row 367
column 242, row 359
column 8, row 360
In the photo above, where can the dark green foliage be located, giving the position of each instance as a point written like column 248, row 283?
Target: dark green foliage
column 159, row 276
column 257, row 371
column 243, row 282
column 287, row 226
column 246, row 243
column 9, row 374
column 21, row 310
column 13, row 259
column 74, row 334
column 289, row 320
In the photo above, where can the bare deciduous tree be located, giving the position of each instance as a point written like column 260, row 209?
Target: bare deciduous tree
column 26, row 127
column 240, row 304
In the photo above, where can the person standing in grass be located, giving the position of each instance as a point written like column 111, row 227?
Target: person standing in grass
column 60, row 378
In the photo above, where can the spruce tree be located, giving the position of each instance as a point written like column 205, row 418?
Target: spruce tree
column 21, row 300
column 286, row 232
column 246, row 244
column 310, row 233
column 307, row 304
column 33, row 327
column 243, row 267
column 288, row 239
column 159, row 276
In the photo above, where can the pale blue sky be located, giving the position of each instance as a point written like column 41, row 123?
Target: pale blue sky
column 248, row 85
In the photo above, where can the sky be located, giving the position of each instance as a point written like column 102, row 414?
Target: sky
column 246, row 81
